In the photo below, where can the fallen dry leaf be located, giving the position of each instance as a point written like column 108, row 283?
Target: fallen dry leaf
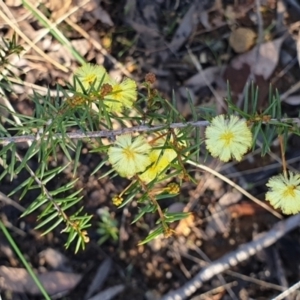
column 203, row 78
column 82, row 46
column 292, row 100
column 260, row 62
column 242, row 39
column 145, row 22
column 58, row 7
column 55, row 259
column 185, row 225
column 245, row 209
column 18, row 280
column 262, row 59
column 187, row 25
column 13, row 3
column 109, row 293
column 298, row 47
column 102, row 15
column 99, row 278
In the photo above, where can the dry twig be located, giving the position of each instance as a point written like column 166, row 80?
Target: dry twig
column 233, row 258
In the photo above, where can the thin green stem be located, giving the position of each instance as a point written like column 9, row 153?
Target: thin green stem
column 54, row 31
column 24, row 261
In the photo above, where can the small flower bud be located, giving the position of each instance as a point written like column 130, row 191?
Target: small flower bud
column 106, row 88
column 173, row 188
column 150, row 78
column 117, row 200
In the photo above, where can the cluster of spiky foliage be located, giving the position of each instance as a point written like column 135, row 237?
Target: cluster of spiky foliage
column 142, row 137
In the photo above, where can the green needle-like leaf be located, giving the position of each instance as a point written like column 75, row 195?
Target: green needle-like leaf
column 159, row 230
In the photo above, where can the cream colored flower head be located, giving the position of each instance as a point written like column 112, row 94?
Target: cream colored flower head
column 88, row 74
column 284, row 192
column 123, row 94
column 228, row 137
column 129, row 155
column 160, row 159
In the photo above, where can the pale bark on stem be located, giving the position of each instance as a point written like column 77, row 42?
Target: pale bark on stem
column 111, row 133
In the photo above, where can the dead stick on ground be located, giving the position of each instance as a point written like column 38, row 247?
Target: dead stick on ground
column 232, row 259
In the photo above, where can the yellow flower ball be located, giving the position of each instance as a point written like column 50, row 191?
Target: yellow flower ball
column 284, row 192
column 228, row 138
column 160, row 159
column 123, row 94
column 129, row 157
column 89, row 74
